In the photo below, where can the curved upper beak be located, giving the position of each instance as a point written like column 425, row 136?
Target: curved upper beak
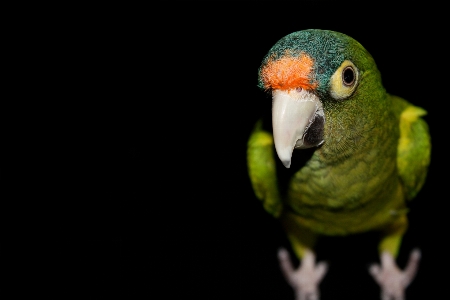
column 293, row 112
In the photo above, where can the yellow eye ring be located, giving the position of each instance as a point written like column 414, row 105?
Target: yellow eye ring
column 344, row 81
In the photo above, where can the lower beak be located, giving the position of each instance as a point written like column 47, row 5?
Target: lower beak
column 293, row 112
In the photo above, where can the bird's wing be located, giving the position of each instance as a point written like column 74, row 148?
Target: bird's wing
column 414, row 147
column 262, row 169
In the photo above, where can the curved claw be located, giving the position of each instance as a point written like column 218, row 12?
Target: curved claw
column 391, row 279
column 306, row 278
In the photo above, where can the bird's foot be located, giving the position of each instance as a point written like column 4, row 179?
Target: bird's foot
column 391, row 279
column 306, row 278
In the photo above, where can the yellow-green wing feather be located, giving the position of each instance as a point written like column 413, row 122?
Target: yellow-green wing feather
column 262, row 169
column 414, row 147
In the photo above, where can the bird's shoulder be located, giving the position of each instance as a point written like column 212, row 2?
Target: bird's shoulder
column 262, row 168
column 414, row 145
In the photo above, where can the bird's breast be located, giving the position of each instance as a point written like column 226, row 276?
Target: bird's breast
column 343, row 196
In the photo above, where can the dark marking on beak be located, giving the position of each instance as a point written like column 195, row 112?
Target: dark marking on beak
column 314, row 134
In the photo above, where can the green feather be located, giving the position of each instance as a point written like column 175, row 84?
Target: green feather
column 375, row 154
column 262, row 170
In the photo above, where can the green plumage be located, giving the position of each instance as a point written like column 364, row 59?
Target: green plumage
column 374, row 157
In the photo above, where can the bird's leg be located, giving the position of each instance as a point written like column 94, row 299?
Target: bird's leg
column 306, row 278
column 392, row 280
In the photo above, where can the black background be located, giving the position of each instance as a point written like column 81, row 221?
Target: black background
column 149, row 187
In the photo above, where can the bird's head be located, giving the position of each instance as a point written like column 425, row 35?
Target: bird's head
column 312, row 73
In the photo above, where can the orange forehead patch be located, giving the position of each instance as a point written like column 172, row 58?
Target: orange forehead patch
column 288, row 72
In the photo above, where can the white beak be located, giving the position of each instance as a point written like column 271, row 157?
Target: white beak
column 293, row 112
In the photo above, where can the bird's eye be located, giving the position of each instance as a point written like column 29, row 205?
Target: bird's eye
column 348, row 76
column 344, row 81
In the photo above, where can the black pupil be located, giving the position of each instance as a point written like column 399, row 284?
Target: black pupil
column 349, row 76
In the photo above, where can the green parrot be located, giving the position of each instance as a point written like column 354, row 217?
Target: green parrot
column 353, row 154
